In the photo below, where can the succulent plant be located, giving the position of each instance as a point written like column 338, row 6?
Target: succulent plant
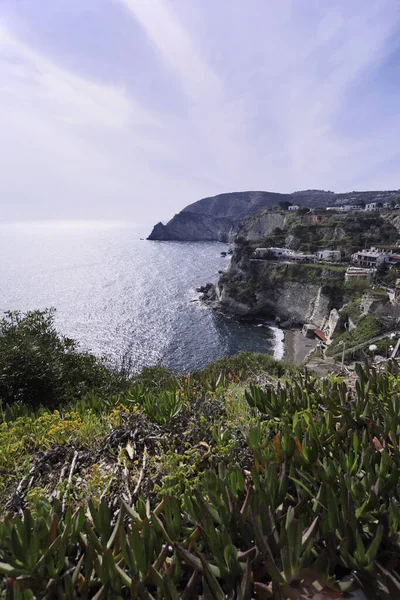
column 321, row 501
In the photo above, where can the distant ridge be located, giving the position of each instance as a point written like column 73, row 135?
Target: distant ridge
column 217, row 218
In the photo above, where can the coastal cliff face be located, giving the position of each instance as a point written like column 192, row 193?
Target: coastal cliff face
column 189, row 227
column 261, row 225
column 295, row 294
column 214, row 219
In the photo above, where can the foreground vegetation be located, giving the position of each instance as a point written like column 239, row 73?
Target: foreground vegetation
column 243, row 481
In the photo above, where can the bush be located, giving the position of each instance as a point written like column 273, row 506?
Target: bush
column 368, row 327
column 39, row 366
column 246, row 364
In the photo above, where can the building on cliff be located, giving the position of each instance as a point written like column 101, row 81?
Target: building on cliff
column 360, row 273
column 303, row 258
column 328, row 255
column 272, row 253
column 368, row 258
column 291, row 255
column 377, row 256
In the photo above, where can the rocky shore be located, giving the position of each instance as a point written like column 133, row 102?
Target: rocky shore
column 296, row 347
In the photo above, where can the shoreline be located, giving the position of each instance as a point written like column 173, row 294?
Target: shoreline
column 296, row 346
column 279, row 342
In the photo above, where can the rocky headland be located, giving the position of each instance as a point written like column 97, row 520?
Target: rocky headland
column 218, row 218
column 314, row 293
column 290, row 293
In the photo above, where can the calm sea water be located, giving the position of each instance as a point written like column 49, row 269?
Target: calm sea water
column 119, row 295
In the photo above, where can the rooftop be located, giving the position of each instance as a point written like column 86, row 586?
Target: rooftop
column 389, row 247
column 320, row 335
column 368, row 253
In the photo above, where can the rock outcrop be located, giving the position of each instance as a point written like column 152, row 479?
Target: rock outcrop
column 261, row 225
column 333, row 324
column 190, row 227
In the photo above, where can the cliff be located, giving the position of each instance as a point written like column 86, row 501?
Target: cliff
column 190, row 227
column 216, row 218
column 219, row 217
column 299, row 293
column 262, row 225
column 294, row 293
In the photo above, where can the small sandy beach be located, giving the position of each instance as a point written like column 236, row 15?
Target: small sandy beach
column 297, row 346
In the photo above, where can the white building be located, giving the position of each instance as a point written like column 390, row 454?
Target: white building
column 300, row 258
column 372, row 206
column 359, row 273
column 272, row 252
column 283, row 254
column 280, row 252
column 377, row 256
column 294, row 207
column 328, row 255
column 345, row 208
column 260, row 252
column 368, row 258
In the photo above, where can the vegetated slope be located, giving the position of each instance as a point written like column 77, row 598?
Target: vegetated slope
column 235, row 204
column 234, row 207
column 276, row 489
column 347, row 232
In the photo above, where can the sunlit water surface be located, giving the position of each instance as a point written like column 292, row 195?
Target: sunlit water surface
column 123, row 296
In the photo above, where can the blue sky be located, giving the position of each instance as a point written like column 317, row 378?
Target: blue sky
column 131, row 109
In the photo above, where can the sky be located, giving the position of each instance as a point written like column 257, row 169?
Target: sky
column 132, row 109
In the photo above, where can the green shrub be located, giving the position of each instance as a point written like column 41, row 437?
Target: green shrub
column 244, row 364
column 368, row 327
column 40, row 366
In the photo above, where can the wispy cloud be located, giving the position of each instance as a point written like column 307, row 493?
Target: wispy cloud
column 282, row 128
column 175, row 47
column 67, row 138
column 213, row 121
column 281, row 95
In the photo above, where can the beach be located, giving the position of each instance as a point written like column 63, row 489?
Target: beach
column 297, row 346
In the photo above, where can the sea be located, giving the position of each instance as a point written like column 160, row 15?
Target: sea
column 122, row 296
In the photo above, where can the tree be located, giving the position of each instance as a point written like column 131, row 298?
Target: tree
column 40, row 366
column 284, row 204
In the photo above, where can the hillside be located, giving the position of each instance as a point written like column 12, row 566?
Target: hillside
column 295, row 293
column 347, row 232
column 217, row 218
column 245, row 480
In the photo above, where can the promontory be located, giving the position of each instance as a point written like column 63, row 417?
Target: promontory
column 218, row 218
